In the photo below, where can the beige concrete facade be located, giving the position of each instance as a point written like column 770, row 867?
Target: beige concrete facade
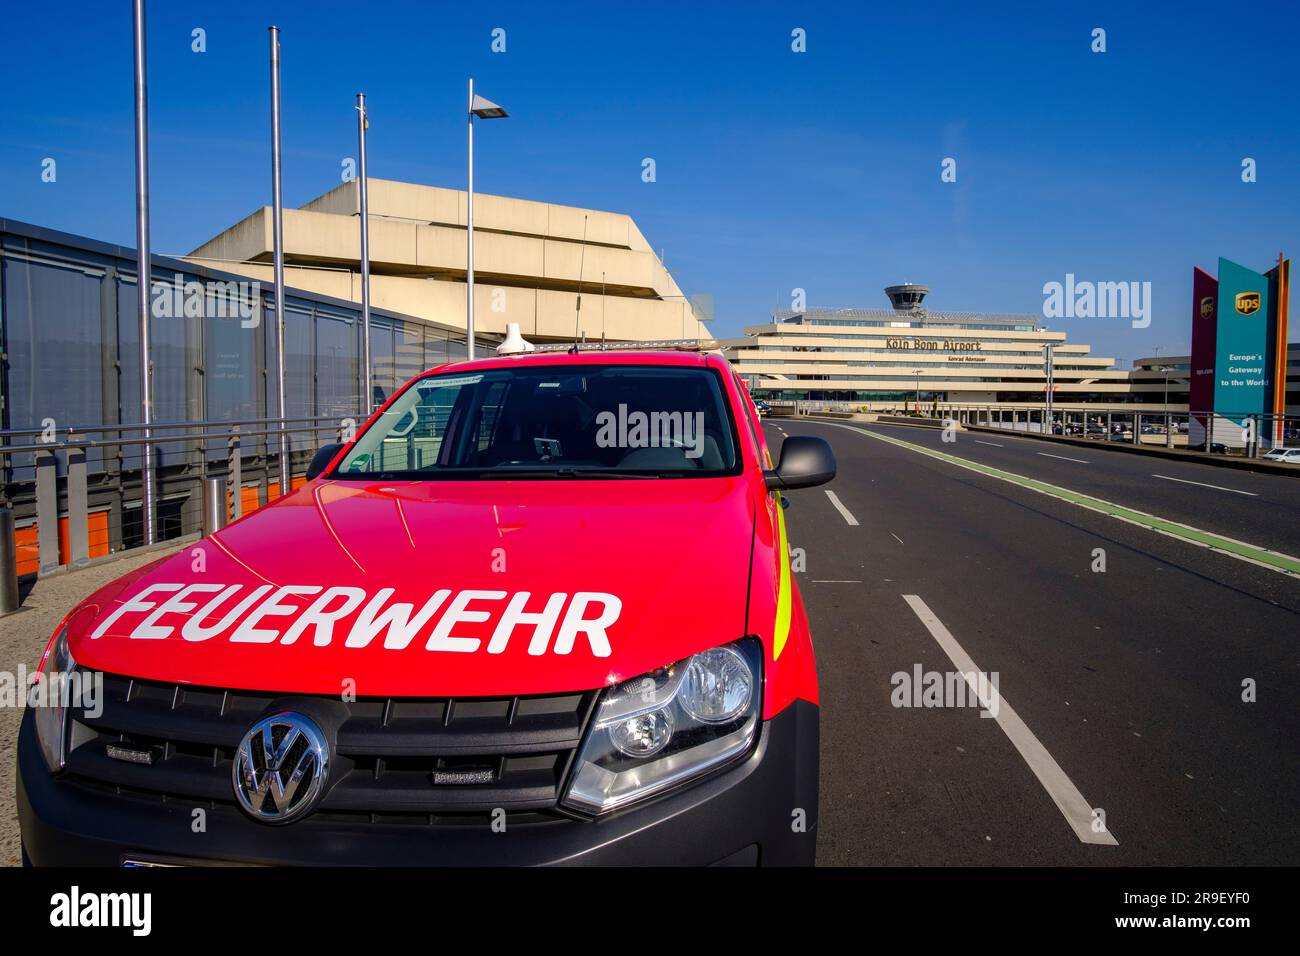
column 882, row 359
column 531, row 262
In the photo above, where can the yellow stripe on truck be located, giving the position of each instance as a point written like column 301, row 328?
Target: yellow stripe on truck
column 781, row 628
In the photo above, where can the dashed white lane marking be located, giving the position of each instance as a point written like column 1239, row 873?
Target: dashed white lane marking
column 993, row 443
column 1078, row 461
column 1204, row 485
column 839, row 506
column 896, row 537
column 1076, row 810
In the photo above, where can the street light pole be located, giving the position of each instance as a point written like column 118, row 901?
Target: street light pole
column 483, row 109
column 143, row 273
column 363, row 121
column 469, row 231
column 1050, row 384
column 1169, row 419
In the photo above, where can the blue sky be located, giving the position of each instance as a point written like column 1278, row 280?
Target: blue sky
column 775, row 170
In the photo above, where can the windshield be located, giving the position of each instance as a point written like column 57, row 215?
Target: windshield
column 552, row 421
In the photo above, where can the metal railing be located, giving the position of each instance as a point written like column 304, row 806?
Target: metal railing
column 1246, row 434
column 47, row 476
column 1249, row 435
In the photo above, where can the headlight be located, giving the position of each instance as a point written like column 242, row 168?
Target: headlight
column 49, row 702
column 657, row 730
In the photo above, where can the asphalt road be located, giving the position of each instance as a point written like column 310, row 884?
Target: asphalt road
column 1125, row 686
column 1260, row 508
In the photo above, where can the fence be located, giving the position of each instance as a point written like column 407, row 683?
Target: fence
column 69, row 498
column 1250, row 434
column 1247, row 434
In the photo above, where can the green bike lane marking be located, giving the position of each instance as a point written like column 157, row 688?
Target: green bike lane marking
column 1274, row 560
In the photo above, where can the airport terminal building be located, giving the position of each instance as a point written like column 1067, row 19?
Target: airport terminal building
column 968, row 364
column 896, row 359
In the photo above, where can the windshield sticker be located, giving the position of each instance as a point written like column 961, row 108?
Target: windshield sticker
column 428, row 383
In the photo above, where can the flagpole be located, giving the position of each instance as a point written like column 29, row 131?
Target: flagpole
column 148, row 488
column 277, row 258
column 363, row 121
column 469, row 230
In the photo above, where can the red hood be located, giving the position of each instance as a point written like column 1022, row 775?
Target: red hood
column 673, row 553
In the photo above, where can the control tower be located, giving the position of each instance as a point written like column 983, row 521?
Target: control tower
column 907, row 297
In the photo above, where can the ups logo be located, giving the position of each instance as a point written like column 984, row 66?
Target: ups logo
column 1247, row 303
column 1207, row 307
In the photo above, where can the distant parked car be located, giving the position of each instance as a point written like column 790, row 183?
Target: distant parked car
column 764, row 409
column 1288, row 455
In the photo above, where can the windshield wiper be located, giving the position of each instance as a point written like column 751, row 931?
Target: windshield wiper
column 566, row 472
column 563, row 472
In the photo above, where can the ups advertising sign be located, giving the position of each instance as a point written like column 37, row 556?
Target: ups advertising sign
column 1242, row 376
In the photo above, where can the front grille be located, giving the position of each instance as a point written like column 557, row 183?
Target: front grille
column 396, row 759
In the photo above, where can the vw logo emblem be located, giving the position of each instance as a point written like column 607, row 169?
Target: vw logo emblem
column 280, row 768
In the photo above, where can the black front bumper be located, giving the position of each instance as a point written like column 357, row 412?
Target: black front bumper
column 760, row 811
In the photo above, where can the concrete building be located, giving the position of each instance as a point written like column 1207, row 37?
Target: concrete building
column 531, row 262
column 885, row 359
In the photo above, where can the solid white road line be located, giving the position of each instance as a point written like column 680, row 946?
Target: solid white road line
column 1079, row 461
column 896, row 537
column 993, row 443
column 839, row 506
column 1076, row 810
column 1204, row 485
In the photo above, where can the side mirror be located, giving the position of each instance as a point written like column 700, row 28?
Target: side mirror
column 321, row 460
column 805, row 462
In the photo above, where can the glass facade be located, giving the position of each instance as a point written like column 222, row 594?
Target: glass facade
column 70, row 344
column 69, row 332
